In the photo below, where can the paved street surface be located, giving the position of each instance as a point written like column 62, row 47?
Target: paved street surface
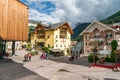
column 55, row 68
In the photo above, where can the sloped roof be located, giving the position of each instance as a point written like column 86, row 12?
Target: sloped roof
column 54, row 26
column 98, row 23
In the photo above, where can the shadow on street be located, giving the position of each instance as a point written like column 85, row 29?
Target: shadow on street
column 10, row 70
column 110, row 79
column 79, row 61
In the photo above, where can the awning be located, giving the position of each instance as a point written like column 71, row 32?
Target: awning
column 55, row 50
column 105, row 51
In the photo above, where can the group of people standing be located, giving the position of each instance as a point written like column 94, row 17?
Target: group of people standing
column 73, row 57
column 44, row 55
column 27, row 57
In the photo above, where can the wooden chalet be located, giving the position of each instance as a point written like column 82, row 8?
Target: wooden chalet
column 13, row 21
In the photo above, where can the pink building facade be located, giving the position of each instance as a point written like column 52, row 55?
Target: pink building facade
column 100, row 33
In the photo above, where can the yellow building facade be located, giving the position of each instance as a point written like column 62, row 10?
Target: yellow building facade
column 56, row 37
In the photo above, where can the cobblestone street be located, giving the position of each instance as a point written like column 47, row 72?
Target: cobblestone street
column 55, row 68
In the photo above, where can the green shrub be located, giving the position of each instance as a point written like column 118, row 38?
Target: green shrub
column 112, row 56
column 114, row 45
column 107, row 60
column 28, row 47
column 34, row 53
column 46, row 49
column 90, row 58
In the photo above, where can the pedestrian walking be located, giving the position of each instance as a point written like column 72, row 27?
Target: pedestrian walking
column 25, row 58
column 42, row 56
column 29, row 57
column 46, row 55
column 71, row 58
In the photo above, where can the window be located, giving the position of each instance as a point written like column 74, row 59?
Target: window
column 108, row 43
column 56, row 36
column 87, row 50
column 48, row 45
column 77, row 52
column 56, row 40
column 86, row 44
column 71, row 51
column 60, row 45
column 56, row 45
column 109, row 35
column 87, row 36
column 64, row 45
column 97, row 36
column 48, row 36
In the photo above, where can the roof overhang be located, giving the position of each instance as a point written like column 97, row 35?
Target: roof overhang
column 98, row 23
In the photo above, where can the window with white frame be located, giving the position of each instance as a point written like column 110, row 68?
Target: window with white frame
column 108, row 43
column 109, row 35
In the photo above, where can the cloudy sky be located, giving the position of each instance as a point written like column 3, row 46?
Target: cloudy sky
column 72, row 11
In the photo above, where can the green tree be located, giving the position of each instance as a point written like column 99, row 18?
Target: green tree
column 114, row 45
column 28, row 46
column 30, row 29
column 46, row 49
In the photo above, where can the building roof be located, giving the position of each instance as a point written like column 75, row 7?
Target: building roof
column 55, row 26
column 73, row 43
column 98, row 23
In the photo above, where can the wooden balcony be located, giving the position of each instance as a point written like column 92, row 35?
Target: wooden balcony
column 62, row 36
column 97, row 38
column 41, row 36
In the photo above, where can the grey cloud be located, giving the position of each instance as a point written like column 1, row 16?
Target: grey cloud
column 75, row 11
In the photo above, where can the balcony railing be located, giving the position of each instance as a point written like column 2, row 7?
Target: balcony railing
column 62, row 36
column 41, row 36
column 97, row 38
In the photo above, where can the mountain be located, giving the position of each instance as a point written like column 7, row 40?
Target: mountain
column 115, row 18
column 81, row 26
